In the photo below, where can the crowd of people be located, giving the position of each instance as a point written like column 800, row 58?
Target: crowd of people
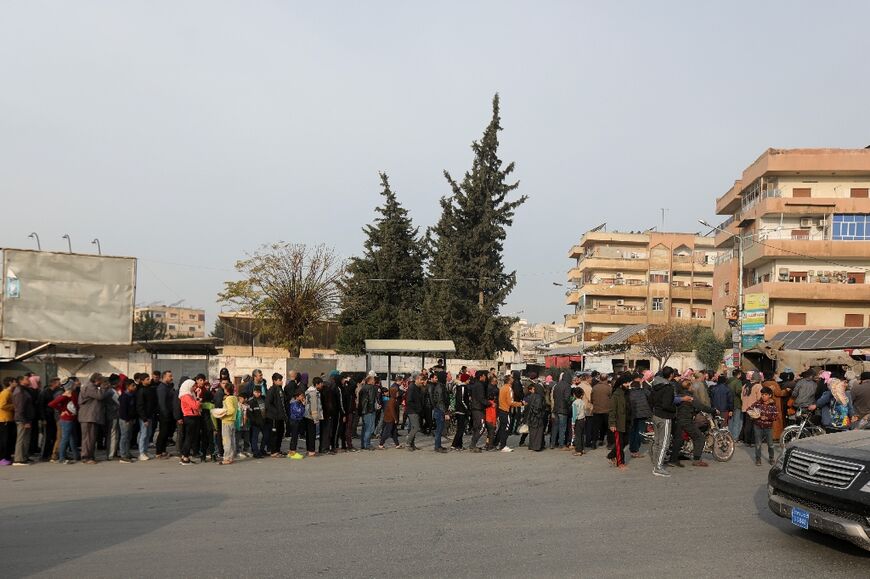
column 123, row 418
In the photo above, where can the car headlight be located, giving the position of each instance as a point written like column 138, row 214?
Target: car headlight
column 866, row 488
column 780, row 462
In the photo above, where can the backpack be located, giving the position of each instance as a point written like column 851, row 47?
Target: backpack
column 840, row 415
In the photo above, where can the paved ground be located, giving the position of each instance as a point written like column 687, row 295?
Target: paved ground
column 405, row 514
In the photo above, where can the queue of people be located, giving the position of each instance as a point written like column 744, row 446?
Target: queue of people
column 140, row 418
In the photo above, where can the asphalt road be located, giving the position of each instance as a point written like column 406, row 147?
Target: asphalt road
column 392, row 512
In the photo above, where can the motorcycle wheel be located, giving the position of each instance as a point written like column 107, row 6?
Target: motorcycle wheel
column 788, row 435
column 723, row 446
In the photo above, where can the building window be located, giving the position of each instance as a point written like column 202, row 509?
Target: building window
column 658, row 304
column 727, row 287
column 658, row 277
column 201, row 317
column 797, row 276
column 856, row 277
column 851, row 227
column 191, row 328
column 699, row 313
column 859, row 193
column 173, row 315
column 677, row 312
column 801, row 192
column 854, row 321
column 797, row 319
column 171, row 327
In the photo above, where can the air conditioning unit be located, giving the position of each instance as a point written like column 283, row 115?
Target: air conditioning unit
column 806, row 221
column 619, row 275
column 823, row 222
column 620, row 302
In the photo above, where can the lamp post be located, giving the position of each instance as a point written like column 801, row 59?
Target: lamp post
column 35, row 236
column 96, row 242
column 739, row 239
column 68, row 242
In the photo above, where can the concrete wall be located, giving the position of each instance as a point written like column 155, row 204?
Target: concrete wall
column 408, row 364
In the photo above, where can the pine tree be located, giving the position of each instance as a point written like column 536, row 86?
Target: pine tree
column 467, row 246
column 382, row 294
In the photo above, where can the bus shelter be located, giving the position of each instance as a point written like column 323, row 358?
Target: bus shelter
column 392, row 348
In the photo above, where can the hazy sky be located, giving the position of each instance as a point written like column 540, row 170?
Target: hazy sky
column 188, row 133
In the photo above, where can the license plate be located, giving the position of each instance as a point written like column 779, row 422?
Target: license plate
column 800, row 517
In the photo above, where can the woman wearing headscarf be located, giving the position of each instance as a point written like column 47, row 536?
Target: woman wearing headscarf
column 750, row 395
column 536, row 418
column 835, row 404
column 191, row 413
column 781, row 394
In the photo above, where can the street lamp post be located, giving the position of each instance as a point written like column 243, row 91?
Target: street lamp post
column 68, row 242
column 35, row 236
column 96, row 242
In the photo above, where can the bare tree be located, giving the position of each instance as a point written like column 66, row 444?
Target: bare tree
column 661, row 341
column 287, row 287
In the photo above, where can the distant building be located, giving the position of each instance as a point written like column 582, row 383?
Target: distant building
column 529, row 338
column 180, row 322
column 624, row 279
column 242, row 337
column 804, row 215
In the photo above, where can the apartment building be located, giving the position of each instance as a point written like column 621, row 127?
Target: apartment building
column 180, row 322
column 804, row 218
column 622, row 279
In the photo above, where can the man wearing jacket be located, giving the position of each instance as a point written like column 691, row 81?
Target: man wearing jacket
column 50, row 419
column 664, row 411
column 146, row 409
column 166, row 416
column 462, row 407
column 561, row 404
column 91, row 413
column 414, row 406
column 25, row 413
column 686, row 408
column 440, row 406
column 276, row 414
column 479, row 404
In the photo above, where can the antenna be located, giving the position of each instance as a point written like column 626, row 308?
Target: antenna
column 176, row 304
column 663, row 216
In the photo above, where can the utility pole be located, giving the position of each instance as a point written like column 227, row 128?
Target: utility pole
column 663, row 217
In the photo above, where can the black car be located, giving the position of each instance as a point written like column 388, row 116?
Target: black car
column 823, row 483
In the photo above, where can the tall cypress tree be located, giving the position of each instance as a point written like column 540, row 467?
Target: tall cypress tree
column 382, row 293
column 466, row 249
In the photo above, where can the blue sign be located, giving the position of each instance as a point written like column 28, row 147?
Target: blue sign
column 800, row 518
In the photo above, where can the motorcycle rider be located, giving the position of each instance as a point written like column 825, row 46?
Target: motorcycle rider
column 685, row 422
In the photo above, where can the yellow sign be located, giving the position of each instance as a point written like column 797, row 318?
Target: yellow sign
column 756, row 302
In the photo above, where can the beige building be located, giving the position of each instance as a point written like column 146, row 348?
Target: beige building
column 180, row 322
column 804, row 216
column 622, row 279
column 527, row 338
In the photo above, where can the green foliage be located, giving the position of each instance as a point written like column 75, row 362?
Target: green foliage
column 382, row 294
column 147, row 328
column 709, row 348
column 469, row 284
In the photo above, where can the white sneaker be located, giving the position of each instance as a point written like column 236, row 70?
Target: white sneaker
column 144, row 456
column 507, row 449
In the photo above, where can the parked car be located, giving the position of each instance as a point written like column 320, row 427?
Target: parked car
column 823, row 483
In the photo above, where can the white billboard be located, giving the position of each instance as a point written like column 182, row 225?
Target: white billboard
column 66, row 298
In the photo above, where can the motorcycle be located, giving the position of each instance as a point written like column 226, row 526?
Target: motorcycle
column 803, row 427
column 717, row 440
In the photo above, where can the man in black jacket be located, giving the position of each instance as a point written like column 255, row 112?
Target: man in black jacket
column 276, row 414
column 684, row 421
column 461, row 405
column 414, row 406
column 165, row 412
column 329, row 395
column 479, row 404
column 664, row 409
column 562, row 400
column 146, row 408
column 440, row 407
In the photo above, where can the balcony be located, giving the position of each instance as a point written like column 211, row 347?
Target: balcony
column 757, row 253
column 575, row 252
column 691, row 263
column 813, row 291
column 609, row 288
column 692, row 293
column 598, row 262
column 607, row 315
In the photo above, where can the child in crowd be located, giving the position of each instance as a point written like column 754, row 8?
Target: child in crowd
column 578, row 418
column 243, row 427
column 294, row 423
column 228, row 422
column 763, row 413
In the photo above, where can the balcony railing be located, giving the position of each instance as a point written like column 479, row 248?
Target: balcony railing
column 609, row 281
column 617, row 310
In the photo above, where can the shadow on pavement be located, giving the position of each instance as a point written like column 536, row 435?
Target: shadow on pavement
column 40, row 536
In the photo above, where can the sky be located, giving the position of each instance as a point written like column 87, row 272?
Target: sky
column 188, row 133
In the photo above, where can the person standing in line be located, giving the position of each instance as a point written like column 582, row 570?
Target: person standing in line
column 461, row 409
column 579, row 409
column 166, row 417
column 664, row 412
column 146, row 408
column 295, row 420
column 257, row 412
column 619, row 420
column 735, row 424
column 228, row 422
column 366, row 407
column 192, row 415
column 479, row 404
column 25, row 412
column 414, row 406
column 722, row 398
column 8, row 428
column 750, row 395
column 348, row 409
column 601, row 413
column 440, row 407
column 506, row 404
column 276, row 411
column 67, row 404
column 127, row 418
column 639, row 399
column 391, row 417
column 687, row 407
column 92, row 413
column 313, row 414
column 329, row 395
column 112, row 425
column 536, row 417
column 48, row 420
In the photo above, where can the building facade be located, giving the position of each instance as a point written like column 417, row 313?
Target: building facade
column 804, row 219
column 180, row 322
column 622, row 279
